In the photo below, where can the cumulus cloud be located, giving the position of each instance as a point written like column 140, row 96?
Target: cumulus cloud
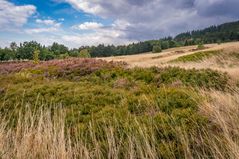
column 112, row 34
column 133, row 20
column 218, row 8
column 88, row 26
column 12, row 16
column 47, row 25
column 150, row 19
column 40, row 30
column 100, row 34
column 49, row 22
column 84, row 5
column 104, row 37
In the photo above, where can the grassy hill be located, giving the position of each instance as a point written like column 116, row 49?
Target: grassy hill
column 91, row 108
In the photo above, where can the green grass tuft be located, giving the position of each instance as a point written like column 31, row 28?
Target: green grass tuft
column 197, row 57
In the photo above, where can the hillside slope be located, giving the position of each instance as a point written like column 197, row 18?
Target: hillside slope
column 164, row 59
column 89, row 108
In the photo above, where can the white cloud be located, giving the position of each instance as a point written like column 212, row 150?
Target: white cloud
column 110, row 37
column 40, row 30
column 134, row 20
column 151, row 19
column 113, row 34
column 45, row 26
column 88, row 26
column 84, row 5
column 12, row 16
column 48, row 22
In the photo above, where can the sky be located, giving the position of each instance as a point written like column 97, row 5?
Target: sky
column 76, row 23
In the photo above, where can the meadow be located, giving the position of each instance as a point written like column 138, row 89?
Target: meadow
column 92, row 108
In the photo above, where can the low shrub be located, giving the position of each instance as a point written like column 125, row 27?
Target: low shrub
column 172, row 99
column 200, row 46
column 66, row 67
column 197, row 57
column 157, row 49
column 109, row 104
column 204, row 78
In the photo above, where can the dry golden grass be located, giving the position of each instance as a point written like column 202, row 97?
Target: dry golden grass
column 222, row 110
column 41, row 135
column 155, row 59
column 161, row 59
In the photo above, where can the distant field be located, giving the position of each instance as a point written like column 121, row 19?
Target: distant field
column 166, row 57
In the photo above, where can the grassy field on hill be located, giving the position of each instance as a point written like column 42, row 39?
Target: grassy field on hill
column 89, row 108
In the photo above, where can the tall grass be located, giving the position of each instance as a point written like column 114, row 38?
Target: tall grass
column 222, row 110
column 43, row 133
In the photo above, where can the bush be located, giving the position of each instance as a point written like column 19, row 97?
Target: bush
column 138, row 105
column 170, row 99
column 204, row 78
column 200, row 46
column 84, row 54
column 63, row 56
column 157, row 49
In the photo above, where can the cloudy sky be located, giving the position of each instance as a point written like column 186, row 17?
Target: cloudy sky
column 92, row 22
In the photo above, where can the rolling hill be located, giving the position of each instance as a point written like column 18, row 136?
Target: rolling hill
column 181, row 103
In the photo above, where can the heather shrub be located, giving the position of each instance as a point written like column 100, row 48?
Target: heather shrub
column 62, row 67
column 123, row 83
column 204, row 78
column 138, row 105
column 146, row 75
column 14, row 67
column 100, row 71
column 145, row 112
column 169, row 99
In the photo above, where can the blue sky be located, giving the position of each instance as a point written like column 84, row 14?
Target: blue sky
column 92, row 22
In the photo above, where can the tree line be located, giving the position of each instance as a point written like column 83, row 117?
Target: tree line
column 26, row 50
column 215, row 34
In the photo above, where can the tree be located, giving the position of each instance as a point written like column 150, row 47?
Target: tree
column 36, row 56
column 157, row 49
column 26, row 50
column 74, row 53
column 63, row 56
column 84, row 54
column 46, row 54
column 7, row 54
column 49, row 55
column 58, row 49
column 164, row 45
column 13, row 46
